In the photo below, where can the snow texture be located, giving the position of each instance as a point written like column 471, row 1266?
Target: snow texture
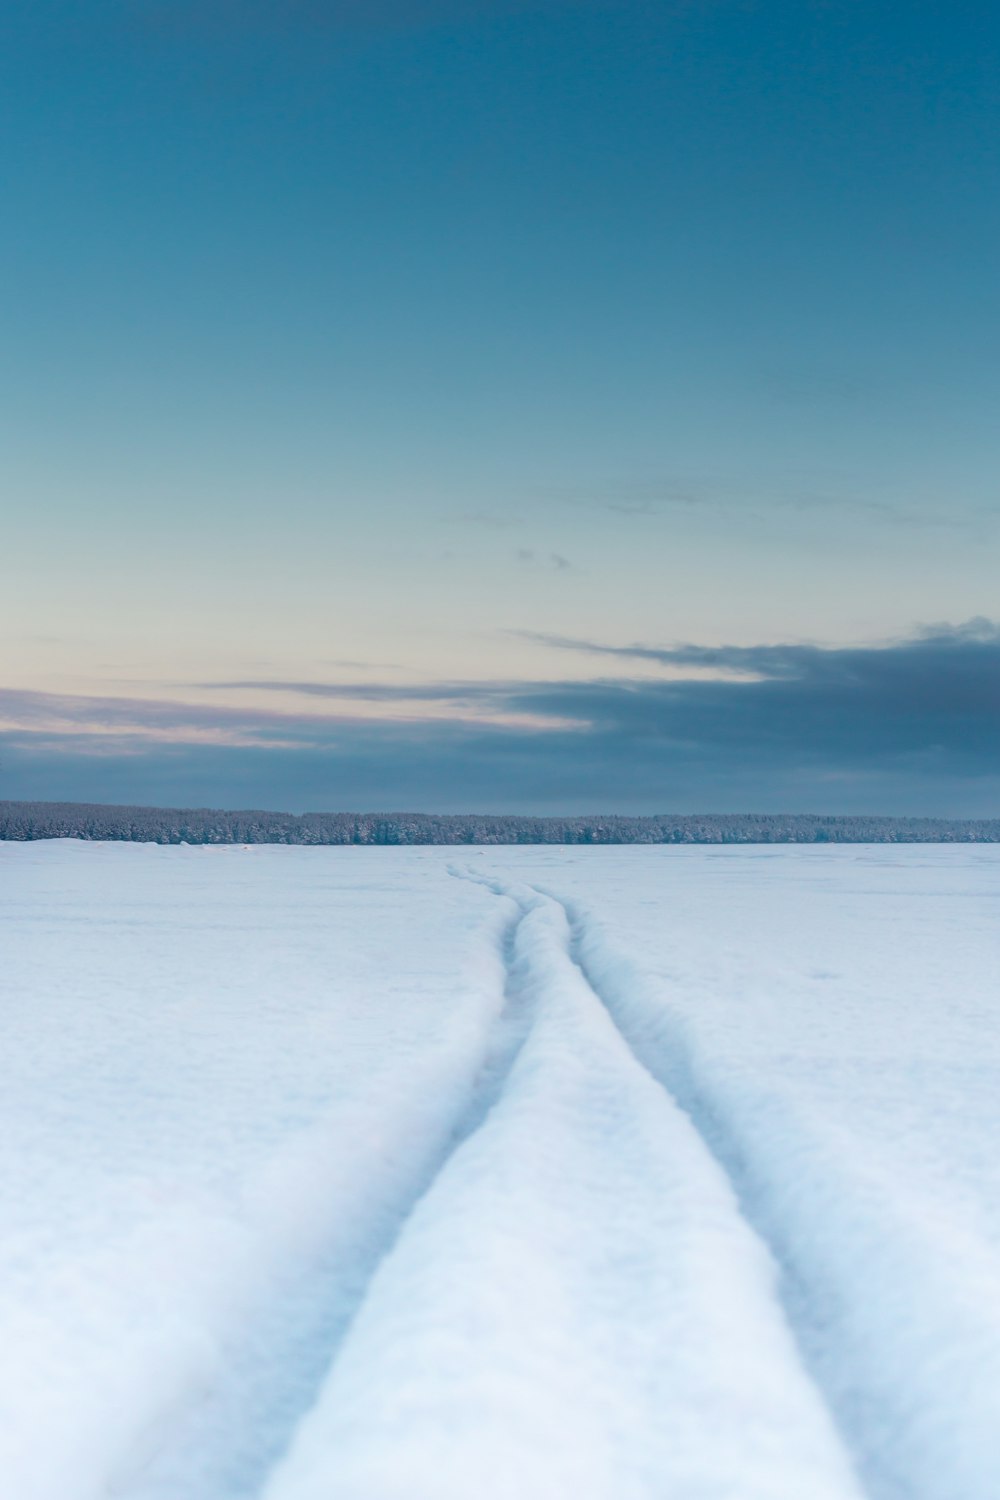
column 335, row 1174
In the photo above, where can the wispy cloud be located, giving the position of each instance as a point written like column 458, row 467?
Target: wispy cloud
column 146, row 719
column 641, row 497
column 458, row 694
column 552, row 561
column 757, row 499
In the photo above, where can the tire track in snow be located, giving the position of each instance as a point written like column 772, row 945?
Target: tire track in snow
column 576, row 1308
column 221, row 1438
column 674, row 1074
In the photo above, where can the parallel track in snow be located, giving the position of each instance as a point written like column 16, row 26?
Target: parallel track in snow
column 536, row 1313
column 235, row 1466
column 671, row 1070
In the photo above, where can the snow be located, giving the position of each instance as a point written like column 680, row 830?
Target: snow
column 590, row 1173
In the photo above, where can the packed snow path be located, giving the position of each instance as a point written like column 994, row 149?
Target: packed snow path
column 494, row 1184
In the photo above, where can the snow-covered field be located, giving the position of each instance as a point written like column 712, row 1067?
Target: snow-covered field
column 512, row 1174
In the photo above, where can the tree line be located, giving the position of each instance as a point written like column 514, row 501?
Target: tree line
column 165, row 825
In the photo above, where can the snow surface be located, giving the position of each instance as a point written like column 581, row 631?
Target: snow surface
column 605, row 1174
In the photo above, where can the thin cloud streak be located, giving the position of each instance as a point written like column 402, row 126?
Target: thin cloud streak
column 761, row 499
column 27, row 710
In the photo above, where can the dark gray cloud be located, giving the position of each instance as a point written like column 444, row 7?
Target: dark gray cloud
column 908, row 727
column 969, row 652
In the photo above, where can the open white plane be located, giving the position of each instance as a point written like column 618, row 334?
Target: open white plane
column 541, row 1174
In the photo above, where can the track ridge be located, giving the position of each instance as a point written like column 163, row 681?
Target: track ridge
column 230, row 1475
column 678, row 1081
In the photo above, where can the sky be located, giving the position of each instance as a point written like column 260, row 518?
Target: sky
column 501, row 405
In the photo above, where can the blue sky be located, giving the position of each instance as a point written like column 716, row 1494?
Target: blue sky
column 418, row 403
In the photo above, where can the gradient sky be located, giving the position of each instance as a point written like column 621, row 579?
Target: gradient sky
column 501, row 404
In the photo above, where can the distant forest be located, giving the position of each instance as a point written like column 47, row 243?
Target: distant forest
column 162, row 825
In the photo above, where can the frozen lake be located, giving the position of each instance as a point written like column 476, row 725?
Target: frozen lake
column 517, row 1174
